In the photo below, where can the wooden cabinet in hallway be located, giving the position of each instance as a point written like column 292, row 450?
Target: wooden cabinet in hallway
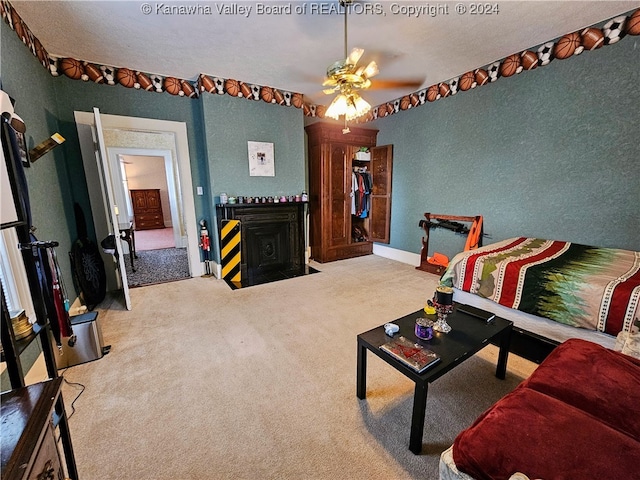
column 147, row 209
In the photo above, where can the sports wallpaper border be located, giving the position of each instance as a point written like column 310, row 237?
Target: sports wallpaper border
column 574, row 43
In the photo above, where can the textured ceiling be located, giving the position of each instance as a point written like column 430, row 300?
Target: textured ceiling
column 291, row 49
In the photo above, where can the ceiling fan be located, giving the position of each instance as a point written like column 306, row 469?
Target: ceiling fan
column 346, row 78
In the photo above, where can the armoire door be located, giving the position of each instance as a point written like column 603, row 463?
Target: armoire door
column 153, row 199
column 339, row 200
column 381, row 170
column 139, row 200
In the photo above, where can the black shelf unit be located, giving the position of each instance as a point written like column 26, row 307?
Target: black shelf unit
column 12, row 348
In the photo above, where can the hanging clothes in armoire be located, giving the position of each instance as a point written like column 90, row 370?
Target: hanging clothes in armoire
column 360, row 192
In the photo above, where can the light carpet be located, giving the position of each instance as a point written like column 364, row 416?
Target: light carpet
column 204, row 382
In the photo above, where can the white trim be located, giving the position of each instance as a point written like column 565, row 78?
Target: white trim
column 179, row 129
column 395, row 254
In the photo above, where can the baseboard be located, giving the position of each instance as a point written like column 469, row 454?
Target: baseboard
column 216, row 269
column 395, row 254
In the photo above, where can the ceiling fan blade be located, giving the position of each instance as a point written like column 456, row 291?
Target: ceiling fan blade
column 382, row 84
column 329, row 82
column 354, row 56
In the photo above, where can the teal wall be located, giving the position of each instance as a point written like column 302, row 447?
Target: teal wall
column 230, row 123
column 31, row 86
column 552, row 153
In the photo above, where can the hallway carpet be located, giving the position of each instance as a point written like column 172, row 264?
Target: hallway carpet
column 157, row 266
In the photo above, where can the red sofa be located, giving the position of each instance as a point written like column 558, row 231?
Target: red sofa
column 576, row 417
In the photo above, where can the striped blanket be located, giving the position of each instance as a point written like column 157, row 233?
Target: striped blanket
column 578, row 285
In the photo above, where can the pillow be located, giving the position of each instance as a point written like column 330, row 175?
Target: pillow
column 631, row 345
column 629, row 342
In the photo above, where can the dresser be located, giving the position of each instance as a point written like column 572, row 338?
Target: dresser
column 147, row 208
column 29, row 418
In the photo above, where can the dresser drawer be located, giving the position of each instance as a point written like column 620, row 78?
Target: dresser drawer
column 149, row 217
column 47, row 463
column 149, row 221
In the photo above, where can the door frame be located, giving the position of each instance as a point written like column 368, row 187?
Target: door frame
column 185, row 182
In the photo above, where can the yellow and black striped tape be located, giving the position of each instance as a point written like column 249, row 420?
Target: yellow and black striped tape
column 230, row 250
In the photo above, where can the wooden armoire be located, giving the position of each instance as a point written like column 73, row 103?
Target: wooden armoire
column 335, row 233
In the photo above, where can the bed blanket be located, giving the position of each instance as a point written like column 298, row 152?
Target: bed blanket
column 579, row 285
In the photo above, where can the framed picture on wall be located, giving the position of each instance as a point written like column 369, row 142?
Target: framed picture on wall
column 261, row 160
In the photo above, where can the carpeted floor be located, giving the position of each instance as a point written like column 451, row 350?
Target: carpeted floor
column 157, row 266
column 205, row 382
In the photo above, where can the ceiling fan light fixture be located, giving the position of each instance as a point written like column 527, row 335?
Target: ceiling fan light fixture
column 360, row 107
column 350, row 105
column 338, row 107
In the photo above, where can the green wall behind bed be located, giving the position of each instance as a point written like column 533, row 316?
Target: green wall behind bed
column 551, row 153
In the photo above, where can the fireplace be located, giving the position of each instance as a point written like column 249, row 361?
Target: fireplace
column 272, row 239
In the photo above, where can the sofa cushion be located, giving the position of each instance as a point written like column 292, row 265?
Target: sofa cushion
column 542, row 437
column 599, row 381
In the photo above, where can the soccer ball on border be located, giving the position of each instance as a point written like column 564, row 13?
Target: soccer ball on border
column 614, row 30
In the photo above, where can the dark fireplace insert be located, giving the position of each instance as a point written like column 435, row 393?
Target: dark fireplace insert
column 272, row 240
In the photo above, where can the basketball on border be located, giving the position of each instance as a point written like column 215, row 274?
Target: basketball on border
column 296, row 100
column 467, row 81
column 266, row 94
column 633, row 23
column 232, row 87
column 566, row 46
column 71, row 67
column 510, row 66
column 126, row 77
column 172, row 85
column 433, row 93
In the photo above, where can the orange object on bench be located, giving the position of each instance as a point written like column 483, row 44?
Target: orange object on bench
column 439, row 262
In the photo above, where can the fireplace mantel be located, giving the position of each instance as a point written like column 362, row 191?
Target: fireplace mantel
column 271, row 236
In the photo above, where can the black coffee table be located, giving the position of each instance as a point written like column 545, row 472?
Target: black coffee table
column 469, row 334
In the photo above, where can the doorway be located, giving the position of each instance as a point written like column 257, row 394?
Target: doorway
column 141, row 136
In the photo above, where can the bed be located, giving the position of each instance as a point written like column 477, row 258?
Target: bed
column 552, row 290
